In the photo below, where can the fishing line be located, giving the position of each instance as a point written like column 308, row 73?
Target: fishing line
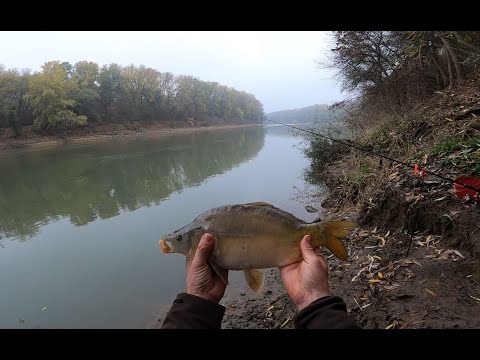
column 471, row 187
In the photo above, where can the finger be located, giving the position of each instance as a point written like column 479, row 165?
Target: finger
column 308, row 253
column 321, row 259
column 204, row 248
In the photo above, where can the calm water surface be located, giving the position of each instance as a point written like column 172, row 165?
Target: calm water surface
column 79, row 225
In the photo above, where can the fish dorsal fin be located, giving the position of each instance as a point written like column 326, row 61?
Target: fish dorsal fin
column 222, row 273
column 255, row 279
column 260, row 203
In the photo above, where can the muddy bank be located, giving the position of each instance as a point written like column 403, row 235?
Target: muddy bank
column 90, row 134
column 271, row 309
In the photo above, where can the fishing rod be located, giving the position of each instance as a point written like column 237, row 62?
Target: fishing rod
column 471, row 187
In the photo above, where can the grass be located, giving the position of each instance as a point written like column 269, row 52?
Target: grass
column 359, row 176
column 456, row 153
column 447, row 146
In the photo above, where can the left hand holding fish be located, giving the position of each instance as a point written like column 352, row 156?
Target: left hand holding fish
column 202, row 281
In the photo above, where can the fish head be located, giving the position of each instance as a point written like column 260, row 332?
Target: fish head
column 182, row 241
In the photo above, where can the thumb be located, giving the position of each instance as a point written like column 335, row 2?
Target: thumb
column 204, row 248
column 308, row 253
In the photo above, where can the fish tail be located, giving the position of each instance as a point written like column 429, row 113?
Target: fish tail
column 328, row 234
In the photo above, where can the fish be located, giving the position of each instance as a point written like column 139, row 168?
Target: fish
column 254, row 236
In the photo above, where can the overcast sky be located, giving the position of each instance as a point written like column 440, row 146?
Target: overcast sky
column 277, row 67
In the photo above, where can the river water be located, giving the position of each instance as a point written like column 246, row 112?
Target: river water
column 80, row 224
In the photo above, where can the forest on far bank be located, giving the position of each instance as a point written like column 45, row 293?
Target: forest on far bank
column 63, row 95
column 318, row 113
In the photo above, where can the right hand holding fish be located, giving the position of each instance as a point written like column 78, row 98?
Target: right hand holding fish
column 202, row 281
column 306, row 281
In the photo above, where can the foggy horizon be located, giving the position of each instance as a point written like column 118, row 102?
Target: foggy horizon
column 278, row 68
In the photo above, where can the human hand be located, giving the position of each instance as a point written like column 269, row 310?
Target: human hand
column 306, row 281
column 202, row 281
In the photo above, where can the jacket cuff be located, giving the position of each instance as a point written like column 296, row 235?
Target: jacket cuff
column 328, row 312
column 193, row 312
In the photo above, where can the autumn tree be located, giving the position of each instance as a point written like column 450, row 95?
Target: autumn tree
column 49, row 96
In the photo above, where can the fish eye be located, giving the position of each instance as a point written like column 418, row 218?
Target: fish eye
column 179, row 238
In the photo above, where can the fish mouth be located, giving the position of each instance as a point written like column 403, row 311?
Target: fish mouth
column 165, row 247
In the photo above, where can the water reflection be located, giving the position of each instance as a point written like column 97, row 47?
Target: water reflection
column 84, row 183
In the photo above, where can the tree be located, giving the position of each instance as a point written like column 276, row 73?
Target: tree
column 85, row 96
column 87, row 74
column 13, row 87
column 49, row 97
column 110, row 89
column 453, row 55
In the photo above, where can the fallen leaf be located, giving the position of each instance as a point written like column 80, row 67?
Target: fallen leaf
column 382, row 240
column 363, row 233
column 380, row 275
column 416, row 262
column 393, row 176
column 388, row 233
column 458, row 253
column 430, row 292
column 356, row 302
column 446, row 254
column 285, row 322
column 391, row 326
column 374, row 281
column 474, row 298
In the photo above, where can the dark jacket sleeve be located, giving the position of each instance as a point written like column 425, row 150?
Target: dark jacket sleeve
column 329, row 312
column 193, row 312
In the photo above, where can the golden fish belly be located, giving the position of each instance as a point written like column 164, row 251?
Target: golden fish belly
column 240, row 253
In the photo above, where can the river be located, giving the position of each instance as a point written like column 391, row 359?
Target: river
column 80, row 224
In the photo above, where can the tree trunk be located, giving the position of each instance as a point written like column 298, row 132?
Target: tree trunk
column 466, row 44
column 16, row 127
column 434, row 58
column 450, row 74
column 456, row 63
column 15, row 119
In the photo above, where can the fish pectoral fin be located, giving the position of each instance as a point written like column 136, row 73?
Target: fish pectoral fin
column 255, row 279
column 221, row 272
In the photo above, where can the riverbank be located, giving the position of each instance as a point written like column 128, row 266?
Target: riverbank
column 414, row 258
column 92, row 134
column 437, row 284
